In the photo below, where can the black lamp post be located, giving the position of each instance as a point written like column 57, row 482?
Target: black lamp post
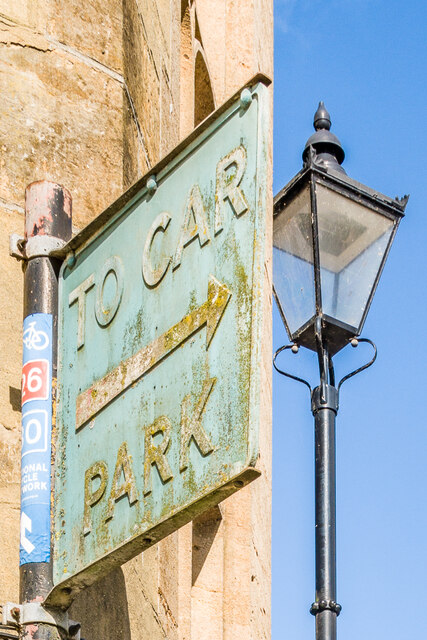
column 331, row 238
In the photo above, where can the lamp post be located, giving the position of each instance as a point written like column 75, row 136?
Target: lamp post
column 331, row 238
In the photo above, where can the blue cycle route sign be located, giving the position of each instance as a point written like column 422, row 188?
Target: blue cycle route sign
column 36, row 438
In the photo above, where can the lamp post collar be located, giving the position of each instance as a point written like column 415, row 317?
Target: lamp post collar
column 323, row 147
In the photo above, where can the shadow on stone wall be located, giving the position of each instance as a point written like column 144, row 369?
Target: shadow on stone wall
column 205, row 528
column 102, row 609
column 15, row 398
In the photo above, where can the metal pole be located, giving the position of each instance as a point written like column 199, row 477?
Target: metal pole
column 47, row 226
column 325, row 607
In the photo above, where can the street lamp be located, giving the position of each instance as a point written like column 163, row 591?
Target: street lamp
column 331, row 238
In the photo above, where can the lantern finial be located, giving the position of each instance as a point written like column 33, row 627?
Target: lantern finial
column 322, row 119
column 328, row 152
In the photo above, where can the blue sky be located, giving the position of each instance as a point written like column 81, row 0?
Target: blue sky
column 367, row 59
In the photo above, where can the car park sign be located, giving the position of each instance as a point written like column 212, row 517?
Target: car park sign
column 161, row 303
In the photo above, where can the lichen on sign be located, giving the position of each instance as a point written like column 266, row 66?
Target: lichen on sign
column 159, row 359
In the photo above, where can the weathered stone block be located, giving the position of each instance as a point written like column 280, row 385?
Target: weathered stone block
column 94, row 28
column 27, row 13
column 10, row 401
column 60, row 120
column 11, row 279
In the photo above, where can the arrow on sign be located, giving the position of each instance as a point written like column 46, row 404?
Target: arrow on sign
column 91, row 401
column 26, row 525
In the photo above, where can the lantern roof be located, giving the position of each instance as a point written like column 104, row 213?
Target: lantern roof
column 323, row 154
column 395, row 205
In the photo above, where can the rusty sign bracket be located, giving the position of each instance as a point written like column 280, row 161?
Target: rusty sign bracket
column 34, row 247
column 21, row 615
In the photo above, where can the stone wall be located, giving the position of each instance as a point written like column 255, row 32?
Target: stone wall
column 93, row 95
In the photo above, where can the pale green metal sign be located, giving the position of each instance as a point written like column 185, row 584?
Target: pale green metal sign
column 159, row 348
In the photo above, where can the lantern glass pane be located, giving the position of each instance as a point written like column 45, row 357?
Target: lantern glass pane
column 293, row 273
column 352, row 242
